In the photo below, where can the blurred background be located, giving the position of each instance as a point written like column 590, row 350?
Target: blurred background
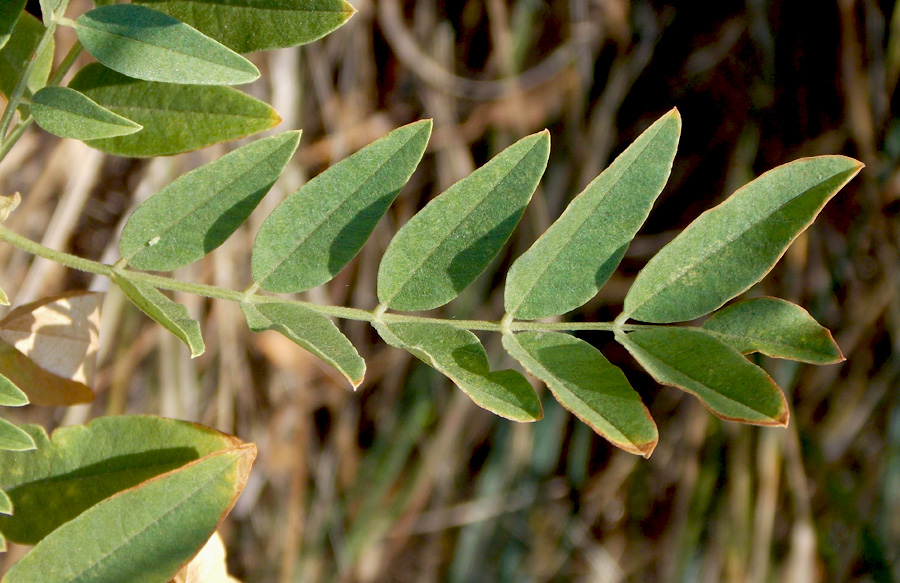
column 406, row 480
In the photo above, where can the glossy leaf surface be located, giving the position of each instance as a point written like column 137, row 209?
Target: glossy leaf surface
column 572, row 260
column 81, row 465
column 149, row 45
column 447, row 244
column 695, row 361
column 10, row 394
column 13, row 438
column 18, row 52
column 588, row 385
column 171, row 315
column 312, row 331
column 776, row 328
column 314, row 232
column 199, row 210
column 9, row 13
column 144, row 534
column 459, row 355
column 176, row 118
column 258, row 25
column 729, row 248
column 67, row 113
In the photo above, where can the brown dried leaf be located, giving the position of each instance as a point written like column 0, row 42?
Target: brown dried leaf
column 208, row 566
column 50, row 347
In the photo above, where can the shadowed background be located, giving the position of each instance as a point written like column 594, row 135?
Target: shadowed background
column 406, row 480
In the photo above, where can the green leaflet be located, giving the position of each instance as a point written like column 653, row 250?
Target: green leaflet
column 81, row 465
column 171, row 315
column 198, row 211
column 732, row 246
column 176, row 118
column 10, row 394
column 588, row 385
column 67, row 113
column 17, row 53
column 144, row 534
column 258, row 25
column 695, row 361
column 13, row 438
column 776, row 328
column 9, row 13
column 446, row 245
column 6, row 506
column 312, row 331
column 570, row 262
column 314, row 232
column 459, row 355
column 149, row 45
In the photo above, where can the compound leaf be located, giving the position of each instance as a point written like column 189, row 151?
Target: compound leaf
column 774, row 327
column 14, row 438
column 9, row 14
column 198, row 211
column 18, row 52
column 176, row 118
column 732, row 246
column 144, row 534
column 588, row 385
column 314, row 232
column 10, row 394
column 78, row 466
column 446, row 245
column 149, row 45
column 67, row 113
column 697, row 362
column 258, row 25
column 312, row 331
column 171, row 315
column 459, row 355
column 570, row 262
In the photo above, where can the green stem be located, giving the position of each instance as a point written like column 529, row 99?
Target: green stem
column 211, row 291
column 22, row 84
column 66, row 64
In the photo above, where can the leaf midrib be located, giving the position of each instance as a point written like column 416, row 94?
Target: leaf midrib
column 336, row 208
column 427, row 256
column 580, row 224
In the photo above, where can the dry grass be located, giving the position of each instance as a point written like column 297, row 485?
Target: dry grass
column 406, row 480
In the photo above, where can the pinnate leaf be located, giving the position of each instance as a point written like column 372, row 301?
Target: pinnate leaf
column 13, row 438
column 312, row 331
column 459, row 355
column 697, row 362
column 144, row 534
column 258, row 25
column 176, row 118
column 18, row 52
column 10, row 394
column 67, row 113
column 81, row 465
column 776, row 328
column 446, row 245
column 570, row 262
column 313, row 233
column 588, row 385
column 149, row 45
column 171, row 315
column 732, row 246
column 198, row 211
column 9, row 13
